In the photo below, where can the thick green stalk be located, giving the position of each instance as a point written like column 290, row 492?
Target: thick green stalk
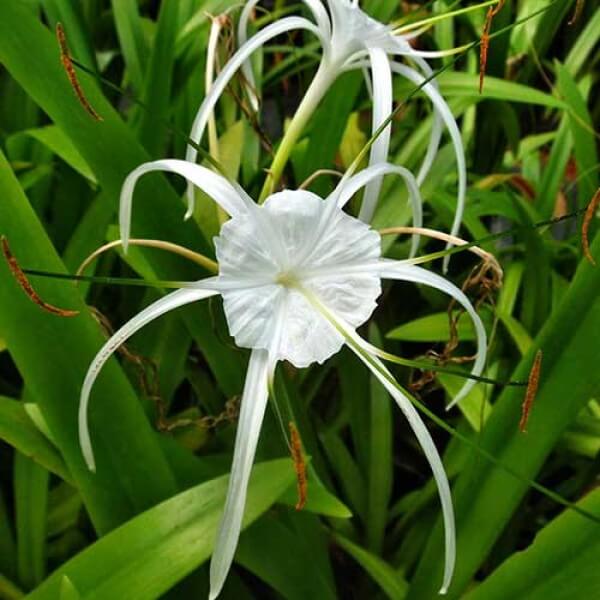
column 324, row 77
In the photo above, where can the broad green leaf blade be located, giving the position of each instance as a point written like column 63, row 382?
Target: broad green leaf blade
column 69, row 13
column 278, row 555
column 584, row 45
column 158, row 79
column 31, row 500
column 432, row 328
column 17, row 429
column 560, row 564
column 583, row 132
column 67, row 590
column 319, row 501
column 391, row 582
column 467, row 85
column 53, row 355
column 485, row 497
column 150, row 553
column 30, row 53
column 380, row 474
column 131, row 38
column 55, row 139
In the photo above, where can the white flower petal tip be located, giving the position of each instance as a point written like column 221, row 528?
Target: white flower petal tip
column 160, row 307
column 296, row 240
column 253, row 405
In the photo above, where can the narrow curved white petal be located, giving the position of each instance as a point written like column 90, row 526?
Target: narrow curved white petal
column 155, row 310
column 361, row 349
column 444, row 110
column 433, row 458
column 320, row 15
column 382, row 107
column 348, row 187
column 242, row 31
column 253, row 405
column 234, row 63
column 390, row 269
column 436, row 129
column 261, row 369
column 231, row 198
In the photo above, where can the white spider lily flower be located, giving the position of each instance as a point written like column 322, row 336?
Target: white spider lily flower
column 350, row 39
column 297, row 276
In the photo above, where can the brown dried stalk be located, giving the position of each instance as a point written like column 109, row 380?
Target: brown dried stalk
column 22, row 280
column 67, row 62
column 299, row 466
column 576, row 13
column 532, row 387
column 590, row 211
column 485, row 40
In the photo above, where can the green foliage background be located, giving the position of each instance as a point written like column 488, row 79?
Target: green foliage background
column 143, row 526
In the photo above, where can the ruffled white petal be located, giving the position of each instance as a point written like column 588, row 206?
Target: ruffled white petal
column 317, row 238
column 390, row 269
column 233, row 64
column 444, row 110
column 348, row 187
column 382, row 108
column 231, row 198
column 253, row 404
column 155, row 310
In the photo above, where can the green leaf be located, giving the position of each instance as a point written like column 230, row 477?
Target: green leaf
column 391, row 582
column 560, row 564
column 31, row 504
column 53, row 355
column 30, row 53
column 584, row 45
column 17, row 429
column 150, row 553
column 467, row 85
column 156, row 94
column 68, row 12
column 285, row 560
column 53, row 138
column 380, row 474
column 131, row 38
column 583, row 132
column 67, row 590
column 319, row 500
column 432, row 328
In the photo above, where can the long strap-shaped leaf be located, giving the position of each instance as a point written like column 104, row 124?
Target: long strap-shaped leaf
column 149, row 554
column 30, row 53
column 52, row 355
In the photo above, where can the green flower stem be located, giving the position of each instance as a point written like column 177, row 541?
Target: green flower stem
column 326, row 74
